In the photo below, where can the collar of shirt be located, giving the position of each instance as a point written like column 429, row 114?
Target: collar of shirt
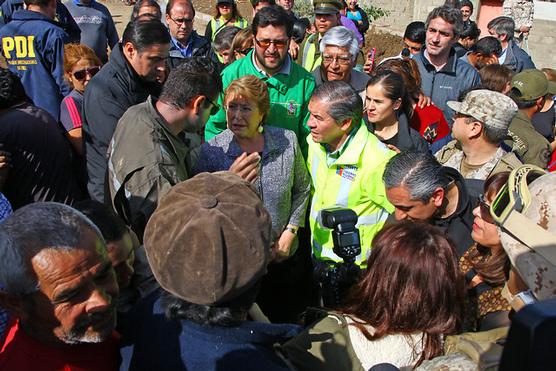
column 185, row 50
column 331, row 157
column 502, row 57
column 286, row 67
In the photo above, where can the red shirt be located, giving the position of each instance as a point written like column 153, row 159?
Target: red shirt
column 21, row 352
column 429, row 121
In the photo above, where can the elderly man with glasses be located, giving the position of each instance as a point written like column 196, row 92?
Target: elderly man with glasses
column 339, row 48
column 186, row 43
column 289, row 85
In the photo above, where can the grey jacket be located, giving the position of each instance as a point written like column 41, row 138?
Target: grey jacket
column 517, row 59
column 447, row 84
column 283, row 184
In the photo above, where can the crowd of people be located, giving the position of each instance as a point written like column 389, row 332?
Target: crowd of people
column 267, row 196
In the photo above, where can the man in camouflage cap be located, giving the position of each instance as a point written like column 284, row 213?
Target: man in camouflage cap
column 327, row 15
column 480, row 125
column 529, row 89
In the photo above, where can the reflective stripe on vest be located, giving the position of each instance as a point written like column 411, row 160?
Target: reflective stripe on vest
column 309, row 61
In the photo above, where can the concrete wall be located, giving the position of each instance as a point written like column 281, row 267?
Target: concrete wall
column 542, row 43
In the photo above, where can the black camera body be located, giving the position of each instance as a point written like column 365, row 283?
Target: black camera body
column 337, row 278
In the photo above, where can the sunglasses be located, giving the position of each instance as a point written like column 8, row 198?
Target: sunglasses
column 81, row 74
column 484, row 207
column 265, row 43
column 244, row 51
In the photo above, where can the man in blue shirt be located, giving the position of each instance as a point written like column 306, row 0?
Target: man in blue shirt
column 185, row 40
column 97, row 27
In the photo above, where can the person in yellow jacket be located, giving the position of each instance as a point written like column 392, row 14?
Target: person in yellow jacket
column 346, row 163
column 226, row 14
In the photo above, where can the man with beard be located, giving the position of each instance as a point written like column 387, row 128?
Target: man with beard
column 444, row 76
column 60, row 288
column 289, row 85
column 137, row 69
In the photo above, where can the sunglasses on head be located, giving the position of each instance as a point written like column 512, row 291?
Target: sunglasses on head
column 81, row 74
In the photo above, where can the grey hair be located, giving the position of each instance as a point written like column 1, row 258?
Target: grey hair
column 449, row 15
column 495, row 135
column 38, row 226
column 419, row 172
column 342, row 100
column 502, row 26
column 342, row 37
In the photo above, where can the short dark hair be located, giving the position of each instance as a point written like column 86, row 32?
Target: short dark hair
column 448, row 14
column 466, row 3
column 144, row 32
column 415, row 31
column 495, row 77
column 230, row 314
column 171, row 4
column 41, row 3
column 488, row 45
column 12, row 91
column 471, row 31
column 515, row 94
column 503, row 26
column 144, row 3
column 273, row 16
column 111, row 225
column 224, row 38
column 195, row 76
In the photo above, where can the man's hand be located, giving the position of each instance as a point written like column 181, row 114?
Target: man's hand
column 294, row 49
column 247, row 166
column 424, row 101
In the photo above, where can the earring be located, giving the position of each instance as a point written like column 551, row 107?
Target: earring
column 260, row 129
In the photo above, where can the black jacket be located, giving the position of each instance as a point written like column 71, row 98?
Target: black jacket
column 201, row 48
column 108, row 95
column 517, row 59
column 408, row 138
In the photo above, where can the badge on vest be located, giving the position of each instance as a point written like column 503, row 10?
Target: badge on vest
column 347, row 172
column 291, row 106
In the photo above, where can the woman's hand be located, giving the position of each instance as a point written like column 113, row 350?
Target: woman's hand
column 281, row 249
column 294, row 49
column 247, row 166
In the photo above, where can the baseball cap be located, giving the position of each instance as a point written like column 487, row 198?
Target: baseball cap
column 327, row 6
column 208, row 240
column 491, row 108
column 532, row 84
column 535, row 263
column 225, row 2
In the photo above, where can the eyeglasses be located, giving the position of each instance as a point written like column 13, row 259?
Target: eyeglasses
column 181, row 21
column 484, row 207
column 265, row 43
column 341, row 59
column 214, row 107
column 81, row 74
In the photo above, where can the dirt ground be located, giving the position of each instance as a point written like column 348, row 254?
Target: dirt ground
column 387, row 45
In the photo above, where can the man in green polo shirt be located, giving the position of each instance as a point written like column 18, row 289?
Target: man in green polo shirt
column 289, row 85
column 529, row 89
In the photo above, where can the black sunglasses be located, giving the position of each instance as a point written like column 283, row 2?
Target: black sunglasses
column 485, row 210
column 214, row 107
column 81, row 74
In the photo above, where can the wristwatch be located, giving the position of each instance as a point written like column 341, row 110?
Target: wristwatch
column 292, row 229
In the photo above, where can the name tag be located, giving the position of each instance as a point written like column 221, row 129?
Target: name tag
column 347, row 172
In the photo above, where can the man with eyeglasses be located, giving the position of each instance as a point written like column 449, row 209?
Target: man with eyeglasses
column 339, row 48
column 180, row 15
column 289, row 85
column 149, row 152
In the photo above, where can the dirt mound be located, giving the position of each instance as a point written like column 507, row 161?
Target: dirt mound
column 386, row 44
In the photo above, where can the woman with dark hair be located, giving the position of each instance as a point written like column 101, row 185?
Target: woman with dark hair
column 496, row 77
column 409, row 298
column 146, row 8
column 226, row 14
column 428, row 120
column 485, row 265
column 388, row 110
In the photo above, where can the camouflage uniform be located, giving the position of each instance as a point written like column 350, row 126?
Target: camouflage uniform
column 521, row 11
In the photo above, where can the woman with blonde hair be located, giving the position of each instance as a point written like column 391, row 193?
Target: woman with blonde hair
column 80, row 65
column 283, row 182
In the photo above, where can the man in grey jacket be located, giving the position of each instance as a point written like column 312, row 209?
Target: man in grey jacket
column 444, row 76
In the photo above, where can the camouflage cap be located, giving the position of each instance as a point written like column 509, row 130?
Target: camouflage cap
column 491, row 108
column 327, row 6
column 532, row 84
column 538, row 273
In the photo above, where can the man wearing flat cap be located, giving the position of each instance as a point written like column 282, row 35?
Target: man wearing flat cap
column 208, row 246
column 480, row 125
column 529, row 89
column 327, row 15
